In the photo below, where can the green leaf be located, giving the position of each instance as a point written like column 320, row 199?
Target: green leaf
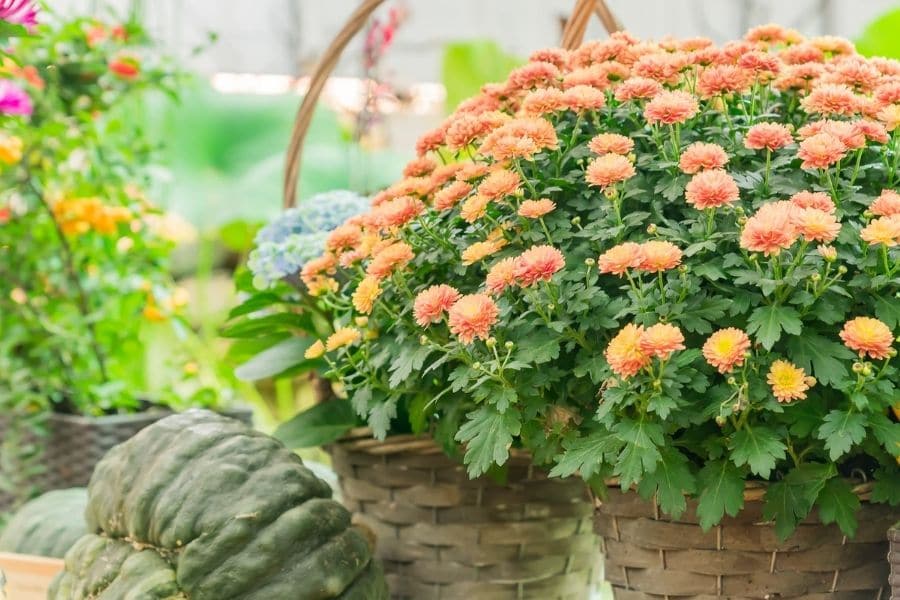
column 268, row 324
column 887, row 486
column 789, row 501
column 287, row 354
column 879, row 38
column 767, row 322
column 841, row 430
column 721, row 491
column 380, row 417
column 488, row 435
column 838, row 504
column 671, row 480
column 322, row 424
column 542, row 346
column 255, row 303
column 888, row 311
column 886, row 432
column 820, row 356
column 758, row 447
column 586, row 455
column 411, row 358
column 469, row 65
column 641, row 453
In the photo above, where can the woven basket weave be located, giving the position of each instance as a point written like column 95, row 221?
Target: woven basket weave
column 652, row 557
column 894, row 560
column 443, row 536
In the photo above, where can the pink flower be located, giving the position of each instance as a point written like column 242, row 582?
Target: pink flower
column 538, row 263
column 770, row 136
column 472, row 317
column 701, row 155
column 21, row 12
column 711, row 189
column 431, row 303
column 887, row 204
column 821, row 151
column 608, row 169
column 14, row 100
column 670, row 108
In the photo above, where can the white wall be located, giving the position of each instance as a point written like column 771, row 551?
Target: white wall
column 286, row 36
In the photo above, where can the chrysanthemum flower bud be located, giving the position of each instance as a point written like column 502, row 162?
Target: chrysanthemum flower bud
column 657, row 384
column 720, row 421
column 590, row 262
column 857, row 367
column 739, row 210
column 810, row 380
column 742, row 220
column 508, row 345
column 866, row 370
column 683, row 269
column 551, row 307
column 476, row 365
column 842, row 269
column 361, row 321
column 815, row 277
column 732, row 381
column 631, row 156
column 829, row 253
column 611, row 193
column 576, row 220
column 651, row 228
column 736, row 406
column 490, row 342
column 423, row 339
column 868, row 214
column 892, row 352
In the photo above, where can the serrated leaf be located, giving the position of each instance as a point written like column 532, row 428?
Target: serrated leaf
column 838, row 504
column 789, row 501
column 767, row 322
column 820, row 356
column 670, row 481
column 888, row 311
column 488, row 435
column 586, row 455
column 380, row 417
column 841, row 430
column 886, row 432
column 721, row 491
column 542, row 346
column 640, row 454
column 410, row 358
column 760, row 448
column 887, row 486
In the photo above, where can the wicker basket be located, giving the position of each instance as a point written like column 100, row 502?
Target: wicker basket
column 652, row 557
column 443, row 536
column 894, row 560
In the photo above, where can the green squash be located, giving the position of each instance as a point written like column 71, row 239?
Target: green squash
column 48, row 525
column 200, row 507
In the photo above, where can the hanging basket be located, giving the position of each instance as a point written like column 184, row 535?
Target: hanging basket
column 894, row 559
column 443, row 536
column 650, row 556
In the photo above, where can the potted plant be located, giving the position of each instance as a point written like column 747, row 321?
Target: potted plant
column 669, row 267
column 83, row 255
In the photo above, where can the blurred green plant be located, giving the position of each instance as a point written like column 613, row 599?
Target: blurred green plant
column 881, row 37
column 469, row 65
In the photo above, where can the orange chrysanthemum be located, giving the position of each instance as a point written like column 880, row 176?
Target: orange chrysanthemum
column 884, row 230
column 611, row 143
column 868, row 336
column 520, row 138
column 533, row 74
column 316, row 350
column 887, row 204
column 816, row 225
column 419, row 167
column 711, row 189
column 770, row 136
column 431, row 303
column 474, row 208
column 345, row 336
column 501, row 276
column 771, row 229
column 658, row 255
column 535, row 209
column 718, row 80
column 366, row 293
column 465, row 129
column 481, row 250
column 472, row 170
column 500, row 183
column 669, row 107
column 608, row 169
column 890, row 116
column 701, row 155
column 543, row 101
column 538, row 263
column 618, row 259
column 817, row 200
column 624, row 353
column 637, row 88
column 584, row 97
column 788, row 381
column 661, row 340
column 831, row 99
column 872, row 130
column 725, row 349
column 394, row 256
column 343, row 237
column 397, row 212
column 472, row 317
column 820, row 151
column 450, row 195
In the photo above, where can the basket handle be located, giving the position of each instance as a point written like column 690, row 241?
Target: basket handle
column 573, row 34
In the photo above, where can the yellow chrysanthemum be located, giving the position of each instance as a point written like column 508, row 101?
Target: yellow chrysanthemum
column 10, row 149
column 725, row 349
column 344, row 336
column 788, row 381
column 315, row 351
column 366, row 293
column 479, row 251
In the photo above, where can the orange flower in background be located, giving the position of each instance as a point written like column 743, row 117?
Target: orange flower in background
column 788, row 381
column 419, row 167
column 481, row 250
column 10, row 149
column 637, row 88
column 820, row 151
column 869, row 337
column 430, row 141
column 831, row 99
column 890, row 116
column 390, row 258
column 872, row 130
column 711, row 189
column 584, row 97
column 442, row 174
column 611, row 143
column 543, row 101
column 817, row 200
column 719, row 80
column 397, row 212
column 125, row 67
column 593, row 76
column 700, row 155
column 618, row 259
column 555, row 56
column 533, row 74
column 771, row 229
column 770, row 136
column 850, row 136
column 885, row 230
column 608, row 169
column 474, row 207
column 450, row 195
column 344, row 237
column 658, row 255
column 366, row 293
column 472, row 317
column 887, row 204
column 762, row 65
column 472, row 170
column 520, row 138
column 316, row 350
column 538, row 263
column 345, row 336
column 726, row 349
column 431, row 303
column 624, row 353
column 661, row 340
column 669, row 108
column 535, row 209
column 501, row 276
column 500, row 183
column 80, row 215
column 816, row 225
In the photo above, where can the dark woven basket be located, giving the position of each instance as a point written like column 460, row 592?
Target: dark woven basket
column 443, row 536
column 75, row 444
column 652, row 557
column 894, row 560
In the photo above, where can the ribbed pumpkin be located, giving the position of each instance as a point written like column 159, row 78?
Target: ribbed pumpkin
column 48, row 525
column 200, row 507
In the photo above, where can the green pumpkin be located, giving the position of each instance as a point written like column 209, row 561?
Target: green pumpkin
column 47, row 525
column 200, row 507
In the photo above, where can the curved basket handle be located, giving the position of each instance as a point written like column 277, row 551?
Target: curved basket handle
column 573, row 34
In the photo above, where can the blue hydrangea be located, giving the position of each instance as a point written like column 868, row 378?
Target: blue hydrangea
column 298, row 235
